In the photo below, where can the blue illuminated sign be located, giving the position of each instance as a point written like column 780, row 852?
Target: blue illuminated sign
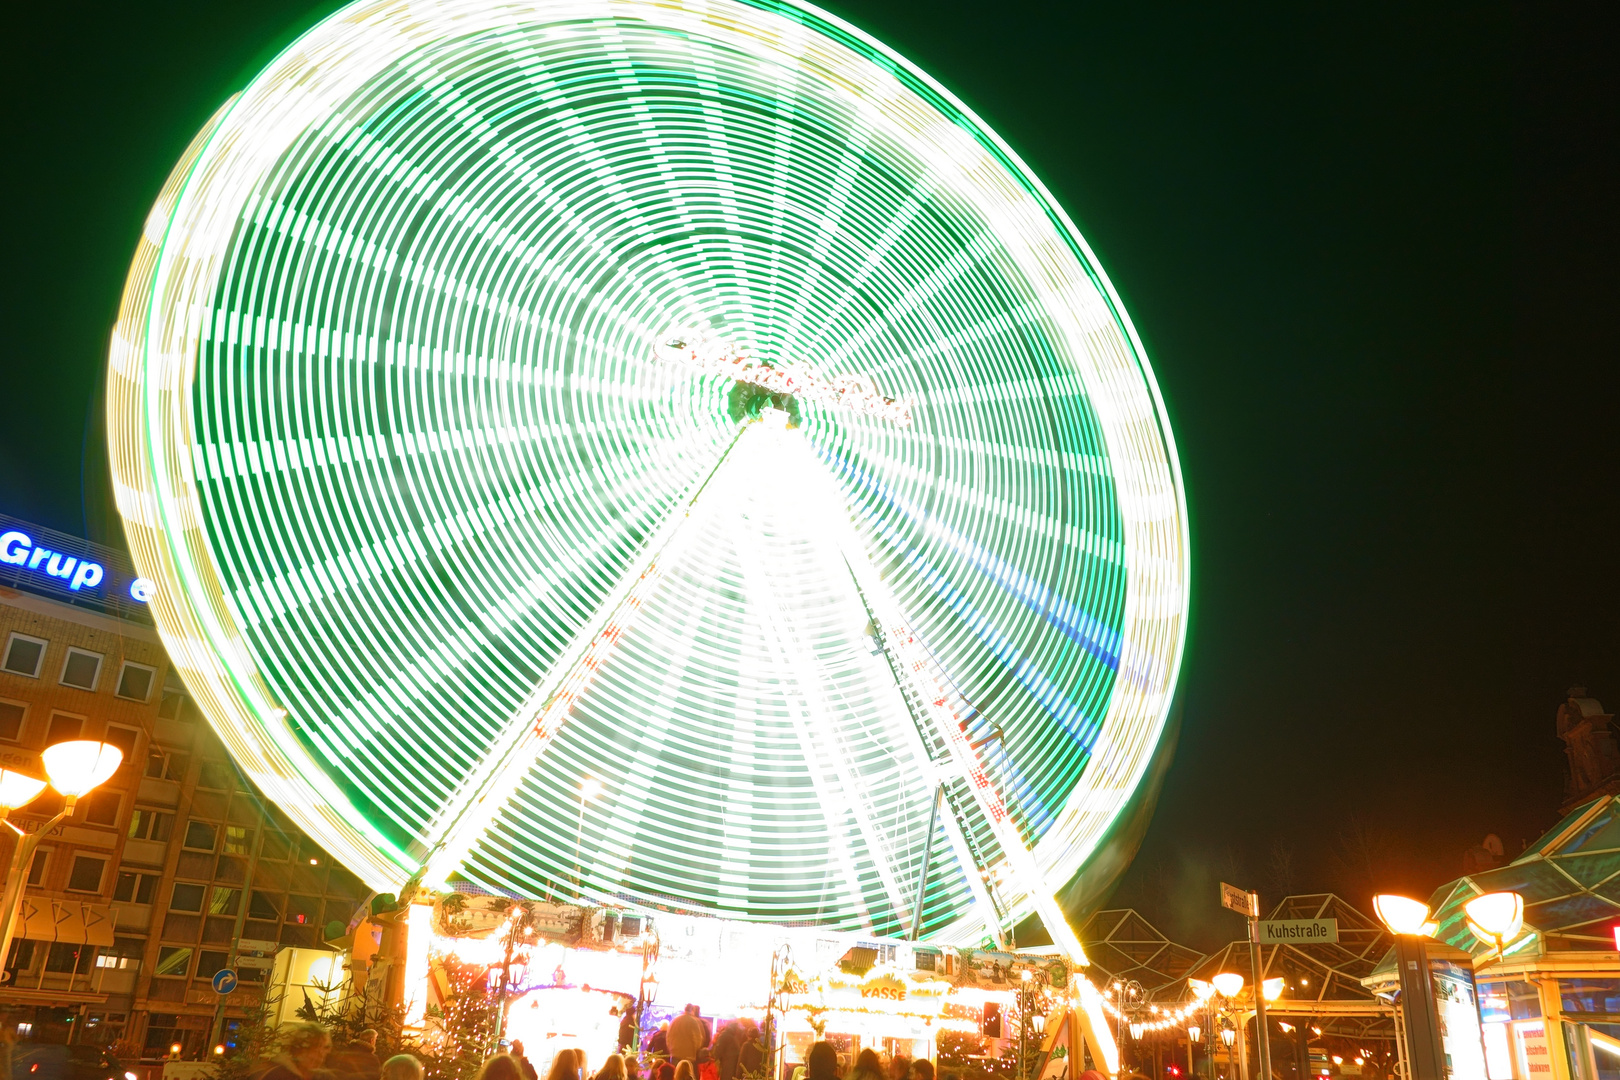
column 73, row 572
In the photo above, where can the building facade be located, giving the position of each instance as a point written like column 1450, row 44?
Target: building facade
column 176, row 867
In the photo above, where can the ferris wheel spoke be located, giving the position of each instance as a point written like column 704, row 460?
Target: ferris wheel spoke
column 920, row 679
column 489, row 785
column 837, row 779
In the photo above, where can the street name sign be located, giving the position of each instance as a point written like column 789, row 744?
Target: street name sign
column 1238, row 900
column 1299, row 931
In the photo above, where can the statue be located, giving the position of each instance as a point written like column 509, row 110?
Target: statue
column 1594, row 759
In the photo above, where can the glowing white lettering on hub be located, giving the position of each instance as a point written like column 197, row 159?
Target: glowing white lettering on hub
column 693, row 349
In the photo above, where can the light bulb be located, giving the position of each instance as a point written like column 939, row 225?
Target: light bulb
column 78, row 767
column 1272, row 988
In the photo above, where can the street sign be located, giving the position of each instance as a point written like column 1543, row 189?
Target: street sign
column 1239, row 901
column 1299, row 931
column 224, row 981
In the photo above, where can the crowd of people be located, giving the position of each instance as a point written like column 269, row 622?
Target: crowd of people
column 681, row 1049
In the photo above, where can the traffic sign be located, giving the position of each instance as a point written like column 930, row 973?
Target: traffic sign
column 1299, row 931
column 1240, row 900
column 224, row 981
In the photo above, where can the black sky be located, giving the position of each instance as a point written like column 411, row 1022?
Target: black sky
column 1368, row 248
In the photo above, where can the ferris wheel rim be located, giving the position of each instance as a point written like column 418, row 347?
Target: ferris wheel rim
column 148, row 514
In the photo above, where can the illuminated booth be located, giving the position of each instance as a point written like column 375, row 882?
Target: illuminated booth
column 579, row 971
column 663, row 457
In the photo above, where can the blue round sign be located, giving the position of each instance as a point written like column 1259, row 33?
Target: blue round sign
column 225, row 981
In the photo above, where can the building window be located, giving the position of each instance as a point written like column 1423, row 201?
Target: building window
column 164, row 764
column 21, row 959
column 103, row 808
column 134, row 888
column 68, row 956
column 87, row 873
column 24, row 655
column 81, row 669
column 237, row 840
column 209, row 963
column 123, row 738
column 123, row 955
column 302, row 909
column 263, row 906
column 200, row 835
column 135, row 681
column 175, row 703
column 172, row 960
column 186, row 897
column 160, row 1030
column 145, row 824
column 11, row 718
column 215, row 775
column 275, row 847
column 225, row 901
column 36, row 869
column 63, row 728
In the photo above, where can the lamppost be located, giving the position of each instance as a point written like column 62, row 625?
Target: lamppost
column 1202, row 992
column 76, row 768
column 1494, row 918
column 1024, row 977
column 589, row 789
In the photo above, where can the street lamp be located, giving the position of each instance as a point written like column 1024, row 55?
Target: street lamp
column 76, row 768
column 1495, row 918
column 1404, row 915
column 1408, row 920
column 1228, row 983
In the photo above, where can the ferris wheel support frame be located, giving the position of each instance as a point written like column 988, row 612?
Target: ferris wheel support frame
column 467, row 815
column 910, row 661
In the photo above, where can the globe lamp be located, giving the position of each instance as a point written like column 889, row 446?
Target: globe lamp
column 1229, row 983
column 1496, row 917
column 17, row 789
column 1201, row 989
column 1272, row 989
column 1228, row 1035
column 78, row 767
column 1404, row 915
column 1193, row 1031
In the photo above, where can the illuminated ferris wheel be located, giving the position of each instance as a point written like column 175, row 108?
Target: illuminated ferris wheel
column 686, row 404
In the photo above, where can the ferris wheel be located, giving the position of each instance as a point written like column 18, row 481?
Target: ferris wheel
column 668, row 454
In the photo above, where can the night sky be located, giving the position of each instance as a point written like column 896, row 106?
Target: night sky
column 1369, row 252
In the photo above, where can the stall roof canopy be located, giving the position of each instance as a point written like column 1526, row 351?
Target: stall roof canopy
column 1121, row 945
column 1570, row 881
column 1314, row 971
